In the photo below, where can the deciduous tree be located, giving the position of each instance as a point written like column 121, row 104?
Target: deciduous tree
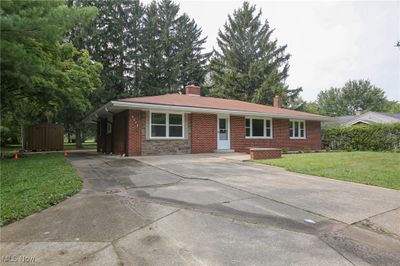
column 34, row 77
column 355, row 95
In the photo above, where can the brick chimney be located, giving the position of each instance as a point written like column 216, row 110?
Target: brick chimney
column 192, row 90
column 277, row 102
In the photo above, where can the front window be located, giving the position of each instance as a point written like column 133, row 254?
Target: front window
column 175, row 125
column 248, row 128
column 166, row 125
column 258, row 128
column 297, row 129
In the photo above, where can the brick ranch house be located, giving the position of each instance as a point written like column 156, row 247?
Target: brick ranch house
column 190, row 123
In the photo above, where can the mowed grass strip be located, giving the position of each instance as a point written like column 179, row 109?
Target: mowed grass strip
column 86, row 145
column 372, row 168
column 31, row 184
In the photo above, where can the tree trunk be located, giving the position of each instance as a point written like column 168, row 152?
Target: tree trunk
column 78, row 141
column 69, row 136
column 22, row 138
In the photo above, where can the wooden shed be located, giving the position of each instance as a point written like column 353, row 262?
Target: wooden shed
column 44, row 137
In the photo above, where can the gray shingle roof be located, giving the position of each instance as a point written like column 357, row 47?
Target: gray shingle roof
column 368, row 118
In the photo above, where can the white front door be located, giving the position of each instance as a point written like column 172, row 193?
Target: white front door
column 223, row 133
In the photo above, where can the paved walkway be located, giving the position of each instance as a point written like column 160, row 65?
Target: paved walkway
column 208, row 210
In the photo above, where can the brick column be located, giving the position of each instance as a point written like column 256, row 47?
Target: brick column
column 134, row 133
column 204, row 133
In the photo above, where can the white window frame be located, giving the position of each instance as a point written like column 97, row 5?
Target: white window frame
column 166, row 124
column 264, row 126
column 292, row 125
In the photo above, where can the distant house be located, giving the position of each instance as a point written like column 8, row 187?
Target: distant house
column 368, row 118
column 191, row 123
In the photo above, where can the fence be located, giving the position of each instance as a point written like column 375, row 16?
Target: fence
column 44, row 137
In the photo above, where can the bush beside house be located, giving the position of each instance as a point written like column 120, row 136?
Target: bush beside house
column 382, row 137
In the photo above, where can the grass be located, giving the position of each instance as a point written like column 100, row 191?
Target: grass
column 34, row 183
column 11, row 149
column 372, row 168
column 86, row 145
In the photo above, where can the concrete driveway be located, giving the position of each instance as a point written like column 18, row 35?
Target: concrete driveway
column 208, row 210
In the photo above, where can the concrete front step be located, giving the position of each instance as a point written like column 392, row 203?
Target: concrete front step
column 224, row 151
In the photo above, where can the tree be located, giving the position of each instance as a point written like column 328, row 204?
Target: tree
column 392, row 107
column 145, row 50
column 113, row 39
column 249, row 65
column 83, row 77
column 355, row 95
column 173, row 50
column 330, row 102
column 192, row 60
column 34, row 78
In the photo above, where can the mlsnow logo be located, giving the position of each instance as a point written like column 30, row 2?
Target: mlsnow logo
column 17, row 259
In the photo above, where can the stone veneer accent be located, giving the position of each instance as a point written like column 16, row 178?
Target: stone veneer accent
column 166, row 146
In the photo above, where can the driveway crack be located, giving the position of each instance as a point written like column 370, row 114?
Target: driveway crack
column 145, row 225
column 236, row 188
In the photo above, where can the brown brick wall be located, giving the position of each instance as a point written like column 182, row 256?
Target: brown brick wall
column 120, row 132
column 280, row 136
column 165, row 146
column 204, row 133
column 135, row 118
column 129, row 136
column 265, row 154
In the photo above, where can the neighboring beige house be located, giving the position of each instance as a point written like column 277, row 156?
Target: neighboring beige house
column 368, row 118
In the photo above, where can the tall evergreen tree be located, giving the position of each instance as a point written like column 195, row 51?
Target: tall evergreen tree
column 249, row 65
column 190, row 46
column 134, row 45
column 145, row 50
column 152, row 52
column 114, row 40
column 174, row 49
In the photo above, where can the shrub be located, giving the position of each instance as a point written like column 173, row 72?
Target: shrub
column 383, row 137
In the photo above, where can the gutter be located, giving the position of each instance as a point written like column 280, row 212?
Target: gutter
column 131, row 105
column 210, row 110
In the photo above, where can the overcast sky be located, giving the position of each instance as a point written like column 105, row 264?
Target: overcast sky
column 330, row 41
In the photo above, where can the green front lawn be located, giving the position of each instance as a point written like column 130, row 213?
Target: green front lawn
column 31, row 184
column 86, row 145
column 11, row 149
column 372, row 168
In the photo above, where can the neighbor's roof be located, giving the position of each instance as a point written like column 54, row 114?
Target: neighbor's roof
column 365, row 118
column 191, row 103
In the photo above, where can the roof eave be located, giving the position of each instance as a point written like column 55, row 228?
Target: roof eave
column 135, row 105
column 90, row 118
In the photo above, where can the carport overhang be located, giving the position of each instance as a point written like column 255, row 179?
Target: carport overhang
column 114, row 107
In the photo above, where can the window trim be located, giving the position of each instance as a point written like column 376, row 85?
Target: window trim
column 291, row 121
column 166, row 124
column 265, row 127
